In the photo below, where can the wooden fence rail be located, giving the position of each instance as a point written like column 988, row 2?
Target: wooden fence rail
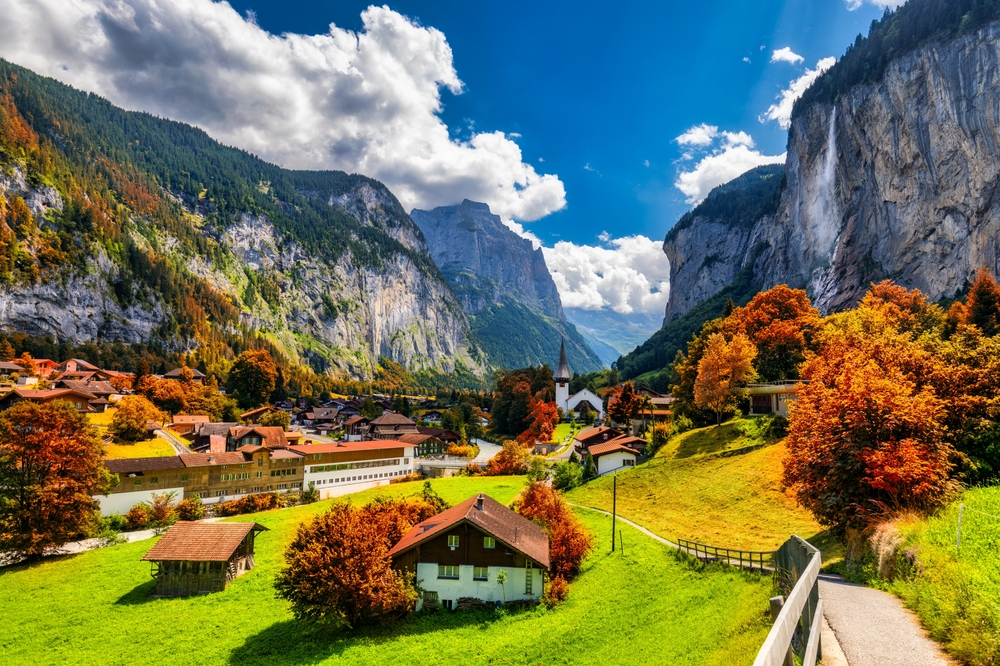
column 745, row 559
column 797, row 566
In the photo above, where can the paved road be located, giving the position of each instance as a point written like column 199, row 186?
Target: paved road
column 178, row 447
column 874, row 629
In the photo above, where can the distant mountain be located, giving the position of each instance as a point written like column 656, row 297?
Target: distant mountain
column 611, row 334
column 504, row 286
column 120, row 226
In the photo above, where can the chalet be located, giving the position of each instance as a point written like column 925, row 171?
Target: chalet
column 661, row 402
column 458, row 553
column 773, row 397
column 346, row 467
column 187, row 424
column 99, row 388
column 75, row 365
column 211, row 436
column 611, row 456
column 43, row 367
column 7, row 369
column 212, row 477
column 427, row 445
column 254, row 414
column 197, row 376
column 637, row 444
column 267, row 436
column 590, row 436
column 326, row 418
column 432, row 416
column 79, row 399
column 445, row 435
column 197, row 558
column 355, row 428
column 391, row 426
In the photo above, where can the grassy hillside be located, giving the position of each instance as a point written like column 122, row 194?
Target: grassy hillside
column 956, row 592
column 733, row 501
column 645, row 606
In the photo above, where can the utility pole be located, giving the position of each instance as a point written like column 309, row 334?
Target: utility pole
column 614, row 509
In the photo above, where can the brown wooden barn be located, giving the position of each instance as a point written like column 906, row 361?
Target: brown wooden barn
column 198, row 558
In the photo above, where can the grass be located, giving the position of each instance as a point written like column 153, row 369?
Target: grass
column 646, row 606
column 562, row 431
column 151, row 448
column 956, row 592
column 734, row 501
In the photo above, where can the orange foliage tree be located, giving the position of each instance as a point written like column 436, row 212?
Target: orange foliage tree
column 252, row 377
column 50, row 468
column 511, row 459
column 569, row 541
column 624, row 403
column 723, row 370
column 544, row 417
column 779, row 322
column 131, row 415
column 338, row 568
column 185, row 396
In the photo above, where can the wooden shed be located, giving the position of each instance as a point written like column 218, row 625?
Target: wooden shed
column 198, row 558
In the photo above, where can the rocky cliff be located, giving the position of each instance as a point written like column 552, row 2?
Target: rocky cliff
column 504, row 286
column 896, row 179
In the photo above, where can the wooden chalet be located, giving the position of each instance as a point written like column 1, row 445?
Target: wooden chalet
column 78, row 399
column 198, row 558
column 391, row 426
column 427, row 445
column 445, row 435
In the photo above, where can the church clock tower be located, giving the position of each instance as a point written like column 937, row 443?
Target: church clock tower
column 562, row 378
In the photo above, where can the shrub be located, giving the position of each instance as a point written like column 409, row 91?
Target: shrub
column 764, row 429
column 137, row 517
column 338, row 568
column 658, row 438
column 430, row 496
column 536, row 469
column 460, row 450
column 115, row 522
column 569, row 541
column 161, row 510
column 473, row 469
column 413, row 476
column 310, row 494
column 511, row 459
column 681, row 424
column 568, row 475
column 556, row 591
column 190, row 508
column 252, row 504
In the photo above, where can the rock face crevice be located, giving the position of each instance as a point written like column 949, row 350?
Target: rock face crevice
column 898, row 180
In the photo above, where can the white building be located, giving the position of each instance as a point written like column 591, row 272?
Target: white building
column 460, row 552
column 571, row 403
column 341, row 468
column 612, row 456
column 773, row 397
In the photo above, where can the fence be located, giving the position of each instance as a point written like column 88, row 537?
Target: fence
column 797, row 566
column 745, row 559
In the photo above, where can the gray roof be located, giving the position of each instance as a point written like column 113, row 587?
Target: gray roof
column 562, row 371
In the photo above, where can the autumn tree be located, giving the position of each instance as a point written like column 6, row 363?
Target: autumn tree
column 779, row 323
column 26, row 362
column 337, row 568
column 50, row 469
column 723, row 371
column 513, row 395
column 6, row 351
column 982, row 306
column 624, row 403
column 512, row 458
column 252, row 377
column 278, row 418
column 128, row 424
column 544, row 418
column 569, row 541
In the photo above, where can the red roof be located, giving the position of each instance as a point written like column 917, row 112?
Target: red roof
column 630, row 441
column 354, row 419
column 200, row 542
column 598, row 450
column 485, row 513
column 348, row 446
column 597, row 431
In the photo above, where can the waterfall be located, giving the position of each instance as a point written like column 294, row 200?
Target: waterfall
column 825, row 220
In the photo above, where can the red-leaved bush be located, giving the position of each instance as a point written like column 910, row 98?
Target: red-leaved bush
column 569, row 541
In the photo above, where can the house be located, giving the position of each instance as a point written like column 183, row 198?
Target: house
column 7, row 369
column 81, row 400
column 101, row 389
column 596, row 435
column 210, row 436
column 637, row 444
column 212, row 477
column 432, row 416
column 445, row 435
column 611, row 456
column 197, row 376
column 196, row 558
column 391, row 426
column 458, row 553
column 773, row 397
column 427, row 445
column 254, row 414
column 346, row 467
column 75, row 365
column 187, row 424
column 564, row 400
column 355, row 428
column 43, row 367
column 661, row 403
column 267, row 436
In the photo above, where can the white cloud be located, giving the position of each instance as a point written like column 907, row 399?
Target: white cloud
column 746, row 59
column 365, row 101
column 645, row 163
column 604, row 236
column 890, row 4
column 782, row 109
column 631, row 275
column 699, row 135
column 519, row 229
column 587, row 167
column 786, row 55
column 721, row 167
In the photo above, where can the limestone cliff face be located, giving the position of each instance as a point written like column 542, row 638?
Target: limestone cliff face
column 897, row 180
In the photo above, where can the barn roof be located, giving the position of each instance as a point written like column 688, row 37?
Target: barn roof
column 598, row 450
column 140, row 465
column 200, row 542
column 488, row 515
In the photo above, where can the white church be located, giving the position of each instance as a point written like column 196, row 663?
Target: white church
column 571, row 403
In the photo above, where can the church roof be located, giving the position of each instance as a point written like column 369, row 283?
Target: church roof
column 562, row 372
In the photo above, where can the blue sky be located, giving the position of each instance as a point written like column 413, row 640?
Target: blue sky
column 610, row 85
column 589, row 126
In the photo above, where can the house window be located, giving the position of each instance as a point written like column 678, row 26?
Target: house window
column 447, row 603
column 137, row 482
column 220, row 493
column 260, row 461
column 260, row 475
column 317, row 456
column 480, row 573
column 154, row 479
column 184, row 477
column 453, row 541
column 489, row 542
column 255, row 489
column 447, row 572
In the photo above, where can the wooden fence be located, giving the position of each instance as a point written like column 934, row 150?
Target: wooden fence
column 797, row 566
column 745, row 559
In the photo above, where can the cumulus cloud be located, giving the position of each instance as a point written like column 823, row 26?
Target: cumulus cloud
column 786, row 55
column 782, row 109
column 365, row 101
column 728, row 155
column 519, row 229
column 885, row 4
column 628, row 275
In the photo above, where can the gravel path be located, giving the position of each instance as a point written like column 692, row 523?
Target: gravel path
column 874, row 629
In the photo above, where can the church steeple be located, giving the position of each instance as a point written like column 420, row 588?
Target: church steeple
column 562, row 371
